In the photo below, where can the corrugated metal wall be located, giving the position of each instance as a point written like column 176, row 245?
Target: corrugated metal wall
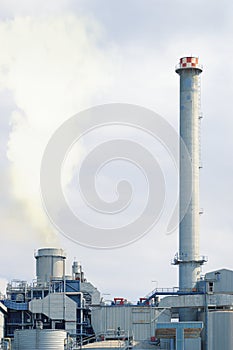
column 193, row 344
column 137, row 321
column 220, row 326
column 222, row 279
column 38, row 339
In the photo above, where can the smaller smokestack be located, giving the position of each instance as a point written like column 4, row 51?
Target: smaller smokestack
column 77, row 272
column 50, row 264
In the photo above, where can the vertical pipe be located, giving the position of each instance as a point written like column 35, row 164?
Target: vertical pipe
column 179, row 338
column 189, row 258
column 64, row 293
column 81, row 319
column 172, row 342
column 206, row 318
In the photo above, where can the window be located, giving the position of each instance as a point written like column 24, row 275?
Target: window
column 211, row 287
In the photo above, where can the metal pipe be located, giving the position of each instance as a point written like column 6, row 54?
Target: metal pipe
column 206, row 317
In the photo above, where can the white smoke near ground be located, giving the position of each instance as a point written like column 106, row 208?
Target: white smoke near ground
column 3, row 284
column 54, row 67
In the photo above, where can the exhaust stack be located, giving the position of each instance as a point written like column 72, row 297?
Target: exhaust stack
column 188, row 258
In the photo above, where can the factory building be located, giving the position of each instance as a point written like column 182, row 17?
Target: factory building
column 57, row 309
column 53, row 301
column 66, row 312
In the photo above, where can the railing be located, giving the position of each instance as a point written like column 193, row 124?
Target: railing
column 197, row 66
column 177, row 260
column 171, row 291
column 114, row 344
column 162, row 290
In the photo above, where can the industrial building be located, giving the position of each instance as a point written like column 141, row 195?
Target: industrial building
column 67, row 312
column 53, row 301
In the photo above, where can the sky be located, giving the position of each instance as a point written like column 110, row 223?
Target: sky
column 60, row 57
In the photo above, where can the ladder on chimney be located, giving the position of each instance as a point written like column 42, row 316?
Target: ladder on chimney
column 200, row 116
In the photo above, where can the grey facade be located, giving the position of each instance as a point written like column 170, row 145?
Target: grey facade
column 39, row 339
column 220, row 281
column 135, row 321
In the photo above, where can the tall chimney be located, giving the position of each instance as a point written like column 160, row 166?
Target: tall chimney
column 189, row 259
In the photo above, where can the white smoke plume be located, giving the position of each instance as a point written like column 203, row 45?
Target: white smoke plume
column 54, row 67
column 3, row 284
